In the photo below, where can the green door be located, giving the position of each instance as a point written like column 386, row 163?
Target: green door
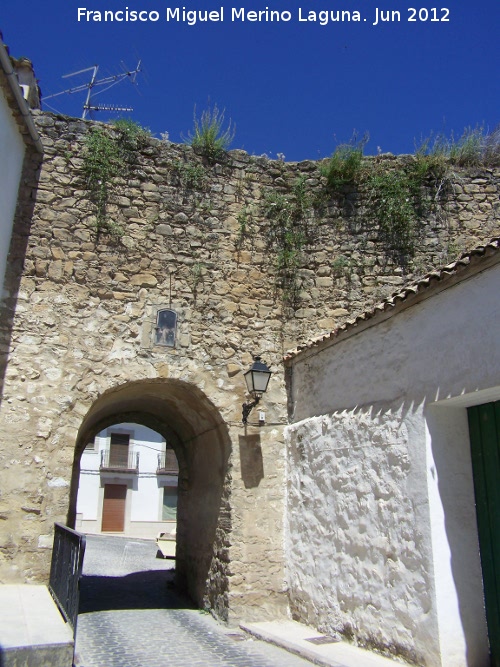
column 484, row 428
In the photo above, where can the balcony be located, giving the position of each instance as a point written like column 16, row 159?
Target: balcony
column 167, row 463
column 117, row 461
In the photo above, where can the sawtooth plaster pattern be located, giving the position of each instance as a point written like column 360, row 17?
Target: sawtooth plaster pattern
column 358, row 562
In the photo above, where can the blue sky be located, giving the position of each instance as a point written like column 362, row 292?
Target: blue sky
column 294, row 87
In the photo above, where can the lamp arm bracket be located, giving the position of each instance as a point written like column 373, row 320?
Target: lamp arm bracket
column 247, row 408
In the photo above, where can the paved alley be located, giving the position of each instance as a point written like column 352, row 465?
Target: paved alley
column 131, row 616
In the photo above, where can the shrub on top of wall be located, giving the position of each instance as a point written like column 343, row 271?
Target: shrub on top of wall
column 208, row 137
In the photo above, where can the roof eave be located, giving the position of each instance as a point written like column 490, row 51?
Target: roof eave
column 22, row 109
column 468, row 265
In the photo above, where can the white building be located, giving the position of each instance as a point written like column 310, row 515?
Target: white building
column 17, row 131
column 128, row 483
column 393, row 502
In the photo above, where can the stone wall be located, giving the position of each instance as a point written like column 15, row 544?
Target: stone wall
column 78, row 335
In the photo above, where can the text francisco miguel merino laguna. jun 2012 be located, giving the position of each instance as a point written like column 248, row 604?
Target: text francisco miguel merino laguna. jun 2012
column 267, row 15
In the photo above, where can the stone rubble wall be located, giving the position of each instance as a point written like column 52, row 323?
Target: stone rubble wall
column 79, row 318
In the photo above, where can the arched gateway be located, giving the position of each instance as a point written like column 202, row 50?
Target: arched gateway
column 185, row 417
column 157, row 323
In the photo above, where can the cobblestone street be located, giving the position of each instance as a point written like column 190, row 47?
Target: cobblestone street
column 130, row 616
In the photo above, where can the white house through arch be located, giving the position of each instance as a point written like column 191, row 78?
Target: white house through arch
column 128, row 483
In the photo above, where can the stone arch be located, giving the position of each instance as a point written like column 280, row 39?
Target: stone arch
column 190, row 422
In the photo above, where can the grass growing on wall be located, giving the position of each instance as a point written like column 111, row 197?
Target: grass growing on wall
column 288, row 233
column 101, row 166
column 130, row 135
column 209, row 137
column 399, row 199
column 108, row 151
column 400, row 195
column 474, row 148
column 191, row 176
column 344, row 167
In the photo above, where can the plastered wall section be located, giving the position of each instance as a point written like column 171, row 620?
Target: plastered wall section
column 11, row 161
column 381, row 537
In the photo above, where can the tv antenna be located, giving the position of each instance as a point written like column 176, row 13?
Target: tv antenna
column 109, row 81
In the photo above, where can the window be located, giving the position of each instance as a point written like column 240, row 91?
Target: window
column 166, row 324
column 169, row 511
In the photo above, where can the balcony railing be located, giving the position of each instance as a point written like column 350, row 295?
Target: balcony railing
column 167, row 463
column 119, row 461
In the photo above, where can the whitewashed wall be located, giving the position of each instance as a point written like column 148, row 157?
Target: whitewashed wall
column 11, row 161
column 143, row 513
column 381, row 531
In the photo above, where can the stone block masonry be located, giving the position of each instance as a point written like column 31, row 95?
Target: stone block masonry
column 78, row 323
column 32, row 631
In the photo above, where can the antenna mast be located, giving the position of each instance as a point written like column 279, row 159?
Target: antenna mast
column 94, row 82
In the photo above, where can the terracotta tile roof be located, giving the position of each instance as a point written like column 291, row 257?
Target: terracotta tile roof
column 412, row 293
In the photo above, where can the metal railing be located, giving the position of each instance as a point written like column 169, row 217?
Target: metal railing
column 66, row 570
column 124, row 461
column 167, row 462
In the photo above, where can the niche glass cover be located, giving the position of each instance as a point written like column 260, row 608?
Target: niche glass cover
column 166, row 325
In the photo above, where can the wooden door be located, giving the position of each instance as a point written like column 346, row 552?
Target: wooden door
column 484, row 428
column 113, row 509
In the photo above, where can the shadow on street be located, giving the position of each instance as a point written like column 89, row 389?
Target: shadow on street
column 152, row 589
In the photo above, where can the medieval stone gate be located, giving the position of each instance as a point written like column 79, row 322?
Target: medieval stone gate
column 80, row 321
column 193, row 426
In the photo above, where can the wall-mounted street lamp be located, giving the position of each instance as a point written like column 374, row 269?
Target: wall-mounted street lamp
column 257, row 379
